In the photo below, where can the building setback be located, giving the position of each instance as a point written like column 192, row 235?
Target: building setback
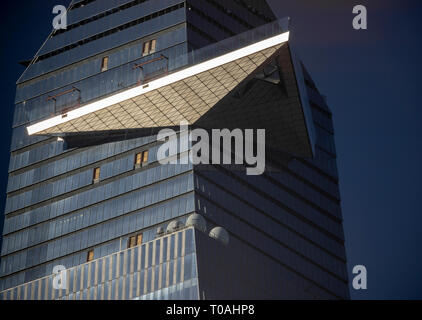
column 86, row 190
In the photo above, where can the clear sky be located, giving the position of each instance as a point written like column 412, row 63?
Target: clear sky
column 372, row 80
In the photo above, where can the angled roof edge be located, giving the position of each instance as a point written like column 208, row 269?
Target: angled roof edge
column 36, row 54
column 303, row 95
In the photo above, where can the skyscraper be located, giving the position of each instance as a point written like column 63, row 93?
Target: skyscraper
column 86, row 190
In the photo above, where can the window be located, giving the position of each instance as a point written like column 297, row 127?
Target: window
column 96, row 176
column 145, row 51
column 131, row 242
column 145, row 156
column 141, row 158
column 139, row 239
column 138, row 158
column 135, row 241
column 149, row 47
column 153, row 46
column 90, row 255
column 104, row 64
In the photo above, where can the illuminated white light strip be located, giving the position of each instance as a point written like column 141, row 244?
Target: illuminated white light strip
column 156, row 84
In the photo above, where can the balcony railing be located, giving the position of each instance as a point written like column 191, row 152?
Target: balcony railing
column 96, row 279
column 72, row 105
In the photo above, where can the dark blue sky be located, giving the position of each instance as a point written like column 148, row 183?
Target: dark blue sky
column 372, row 79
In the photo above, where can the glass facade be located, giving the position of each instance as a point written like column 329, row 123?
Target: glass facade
column 65, row 204
column 164, row 268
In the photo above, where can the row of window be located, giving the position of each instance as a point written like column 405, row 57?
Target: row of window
column 106, row 211
column 214, row 22
column 73, row 182
column 72, row 160
column 82, row 219
column 91, row 66
column 45, row 191
column 272, row 227
column 96, row 235
column 201, row 7
column 141, row 159
column 325, row 140
column 168, row 252
column 325, row 151
column 325, row 162
column 275, row 198
column 318, row 179
column 285, row 257
column 230, row 13
column 245, row 205
column 111, row 31
column 96, row 17
column 322, row 118
column 254, row 10
column 148, row 47
column 302, row 189
column 79, row 55
column 39, row 153
column 290, row 203
column 212, row 29
column 133, row 241
column 103, row 193
column 78, row 258
column 316, row 100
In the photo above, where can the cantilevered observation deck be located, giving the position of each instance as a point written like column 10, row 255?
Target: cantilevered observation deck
column 249, row 81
